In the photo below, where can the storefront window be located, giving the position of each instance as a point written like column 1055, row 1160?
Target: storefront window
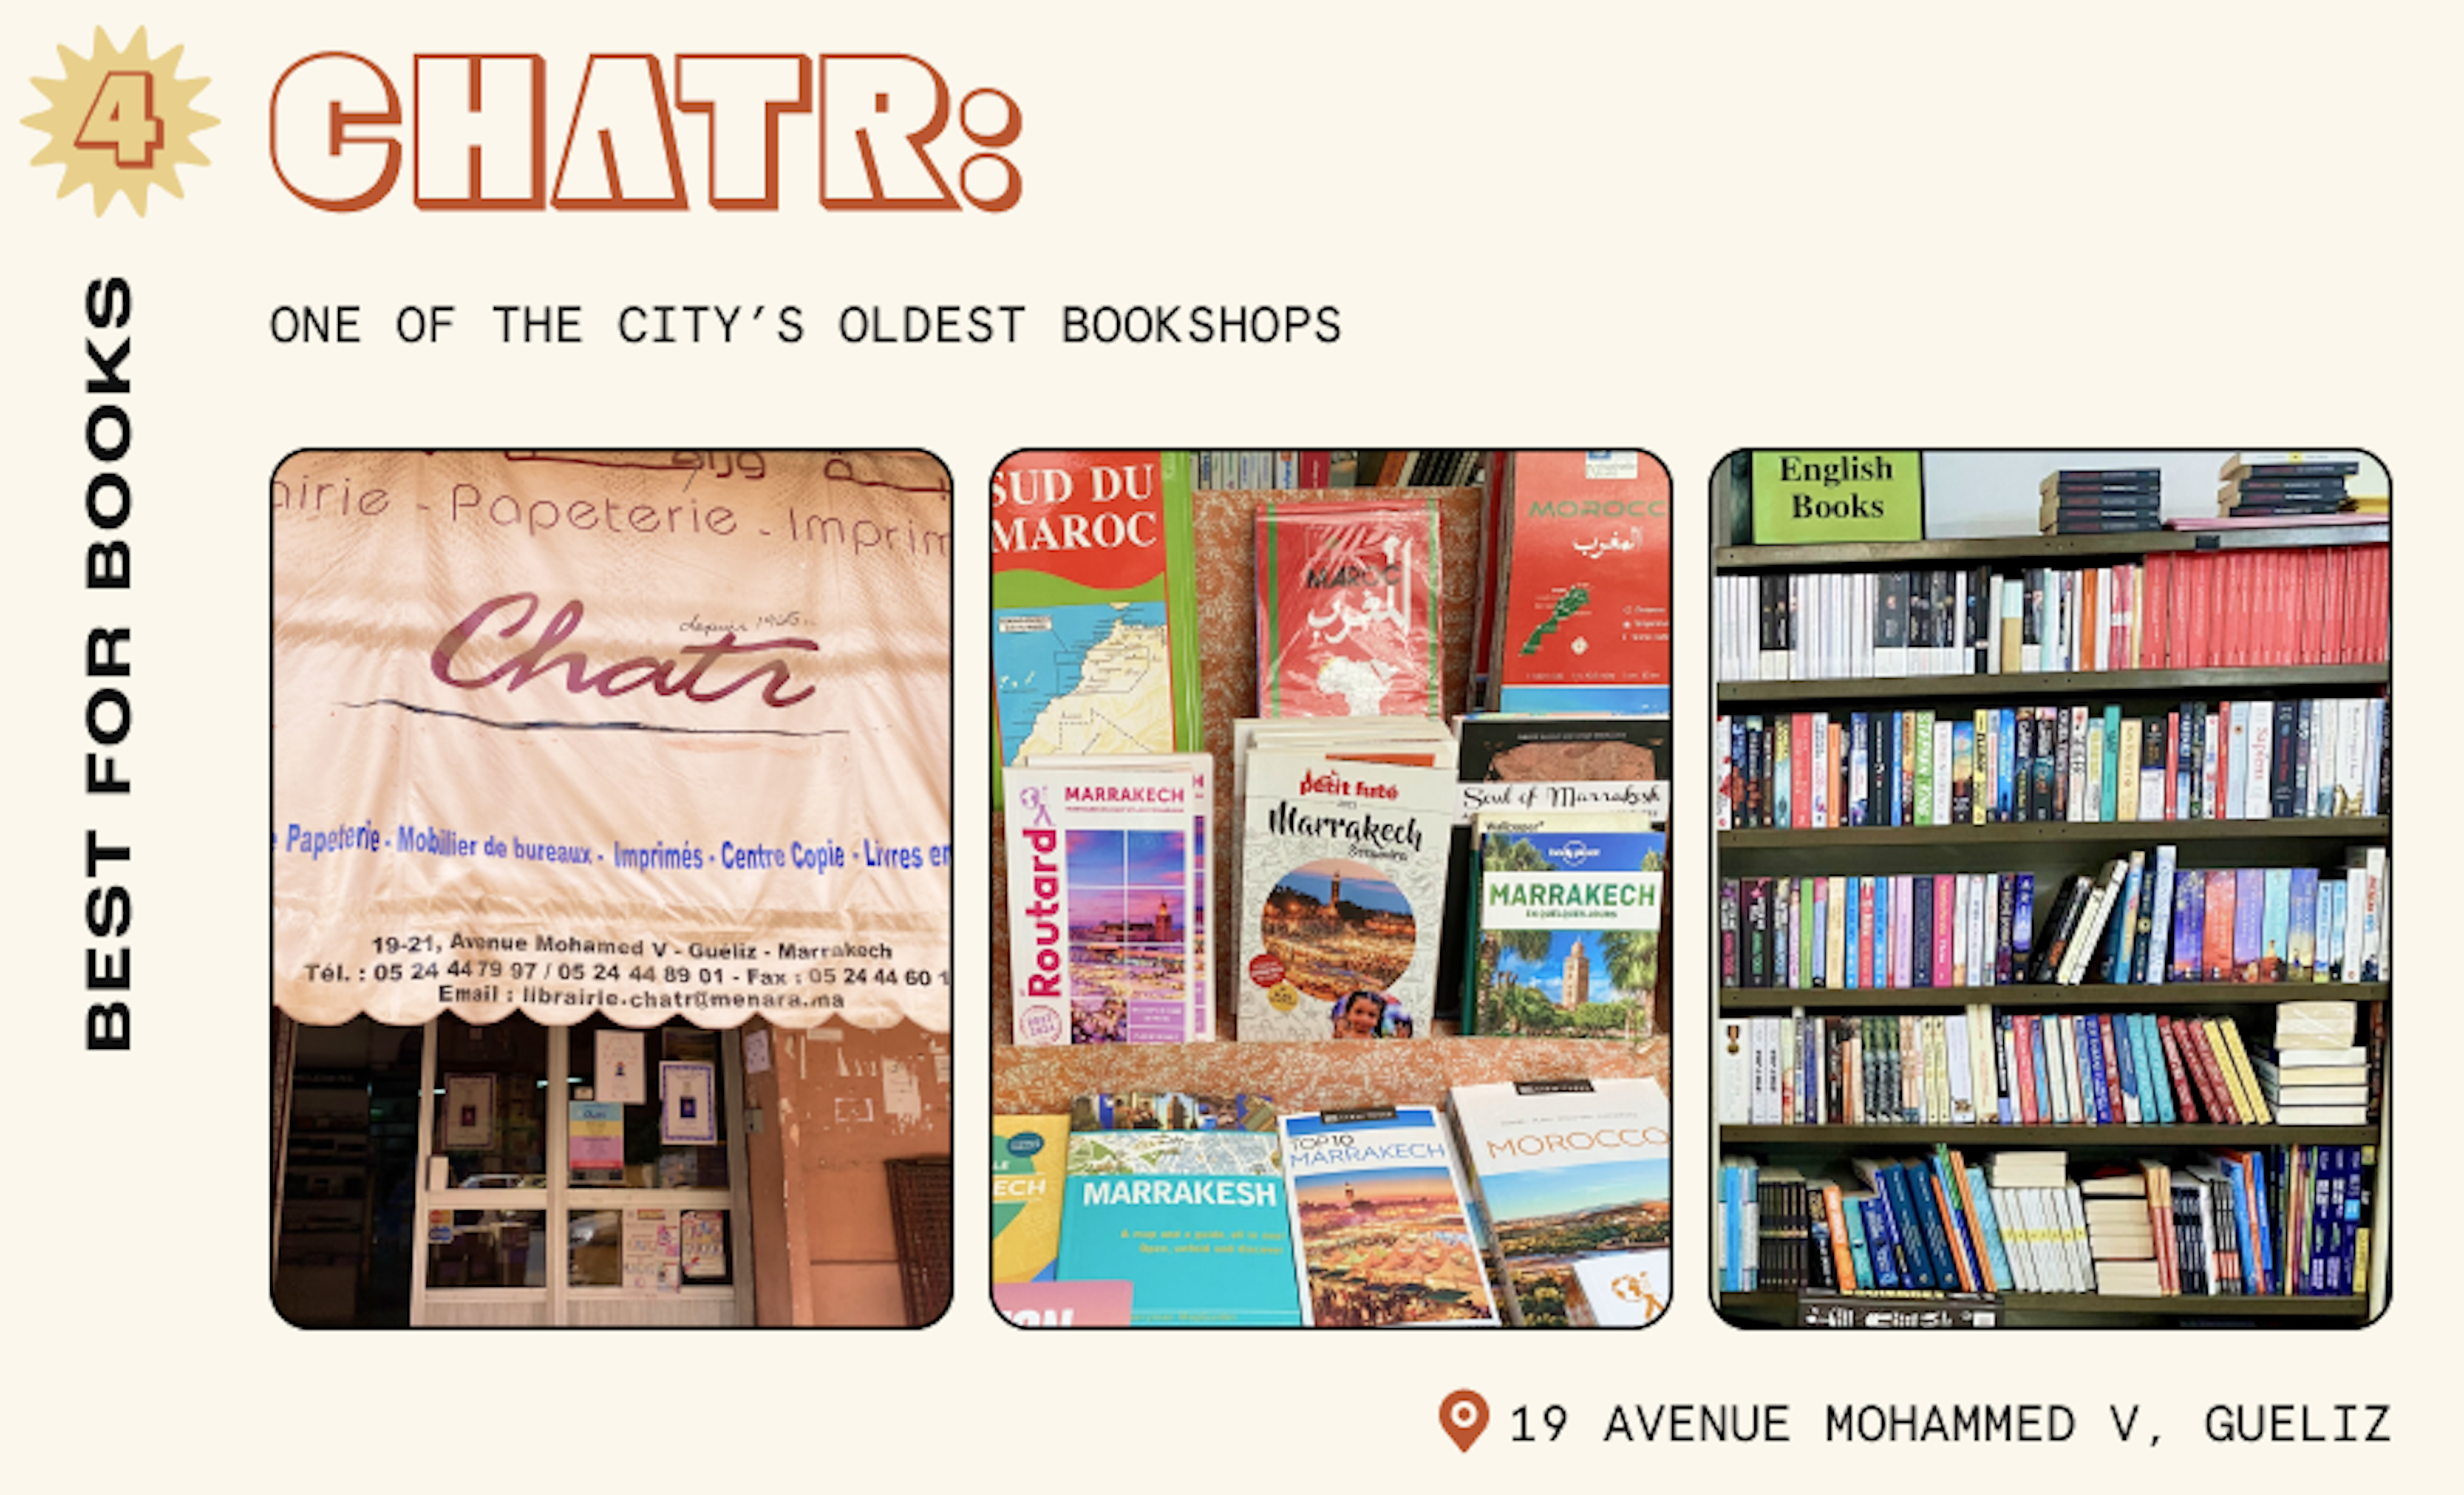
column 487, row 1248
column 490, row 1098
column 648, row 1106
column 657, row 1249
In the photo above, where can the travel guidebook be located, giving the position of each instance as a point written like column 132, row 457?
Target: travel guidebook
column 1030, row 1155
column 1095, row 605
column 1348, row 610
column 1534, row 763
column 1377, row 1213
column 1195, row 1222
column 1342, row 898
column 1567, row 925
column 1584, row 621
column 1107, row 889
column 1571, row 1178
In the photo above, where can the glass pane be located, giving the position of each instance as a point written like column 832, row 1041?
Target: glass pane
column 491, row 1101
column 487, row 1248
column 657, row 1249
column 649, row 1106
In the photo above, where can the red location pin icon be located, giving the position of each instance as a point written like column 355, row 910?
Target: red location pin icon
column 1465, row 1416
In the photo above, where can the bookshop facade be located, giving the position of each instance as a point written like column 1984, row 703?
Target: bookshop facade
column 612, row 887
column 519, row 1175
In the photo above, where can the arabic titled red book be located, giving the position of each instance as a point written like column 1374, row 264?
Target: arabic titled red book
column 1348, row 610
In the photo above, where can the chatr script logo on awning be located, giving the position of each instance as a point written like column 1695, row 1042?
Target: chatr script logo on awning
column 477, row 136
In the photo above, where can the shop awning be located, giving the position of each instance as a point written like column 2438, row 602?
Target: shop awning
column 647, row 734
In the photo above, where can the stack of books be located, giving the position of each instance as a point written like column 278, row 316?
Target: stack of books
column 2280, row 485
column 2121, row 1236
column 2316, row 1075
column 2101, row 500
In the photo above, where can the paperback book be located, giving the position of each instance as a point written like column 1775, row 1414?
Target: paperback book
column 1343, row 888
column 1584, row 624
column 1031, row 1163
column 1197, row 1223
column 1378, row 1214
column 1567, row 925
column 1570, row 1175
column 1095, row 605
column 1108, row 900
column 1348, row 610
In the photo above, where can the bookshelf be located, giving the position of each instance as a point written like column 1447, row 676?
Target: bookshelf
column 2053, row 851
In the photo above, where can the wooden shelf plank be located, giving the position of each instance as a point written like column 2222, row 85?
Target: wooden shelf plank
column 2124, row 834
column 2177, row 684
column 2173, row 993
column 2070, row 1138
column 2177, row 1306
column 2039, row 547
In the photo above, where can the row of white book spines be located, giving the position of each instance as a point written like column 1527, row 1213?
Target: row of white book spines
column 2331, row 751
column 1830, row 625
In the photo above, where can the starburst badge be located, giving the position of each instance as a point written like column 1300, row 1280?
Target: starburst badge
column 120, row 122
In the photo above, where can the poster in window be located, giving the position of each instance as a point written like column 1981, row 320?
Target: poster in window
column 469, row 1112
column 594, row 1141
column 688, row 1104
column 705, row 1245
column 644, row 1249
column 619, row 1076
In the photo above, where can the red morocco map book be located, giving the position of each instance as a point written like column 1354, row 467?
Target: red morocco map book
column 1108, row 892
column 1380, row 1229
column 1095, row 605
column 1584, row 624
column 1348, row 610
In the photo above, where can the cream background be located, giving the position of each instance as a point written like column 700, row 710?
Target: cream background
column 1687, row 228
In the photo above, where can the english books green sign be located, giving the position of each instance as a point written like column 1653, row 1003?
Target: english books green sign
column 1824, row 498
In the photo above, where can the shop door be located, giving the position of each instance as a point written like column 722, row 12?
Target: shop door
column 590, row 1176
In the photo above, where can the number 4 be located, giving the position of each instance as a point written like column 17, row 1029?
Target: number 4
column 122, row 120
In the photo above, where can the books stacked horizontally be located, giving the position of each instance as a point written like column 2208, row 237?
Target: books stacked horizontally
column 2261, row 1222
column 2322, row 605
column 2120, row 1233
column 2316, row 1075
column 2244, row 759
column 2101, row 500
column 1987, row 1066
column 2281, row 485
